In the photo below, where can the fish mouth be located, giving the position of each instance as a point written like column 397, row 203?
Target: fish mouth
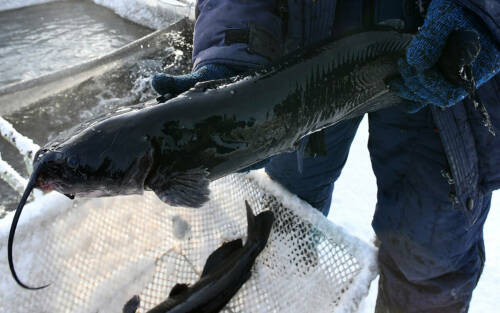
column 45, row 186
column 48, row 187
column 45, row 183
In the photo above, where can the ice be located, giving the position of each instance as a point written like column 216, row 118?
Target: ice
column 22, row 143
column 16, row 4
column 155, row 14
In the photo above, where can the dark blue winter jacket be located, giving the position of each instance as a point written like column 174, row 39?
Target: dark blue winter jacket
column 481, row 170
column 254, row 32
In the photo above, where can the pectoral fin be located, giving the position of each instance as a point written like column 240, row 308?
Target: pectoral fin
column 187, row 189
column 220, row 255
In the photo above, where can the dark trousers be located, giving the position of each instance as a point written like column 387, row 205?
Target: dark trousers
column 431, row 253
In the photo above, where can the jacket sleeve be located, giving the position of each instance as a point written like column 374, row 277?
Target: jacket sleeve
column 248, row 33
column 489, row 11
column 235, row 33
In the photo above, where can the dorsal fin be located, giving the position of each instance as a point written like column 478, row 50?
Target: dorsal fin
column 178, row 289
column 220, row 255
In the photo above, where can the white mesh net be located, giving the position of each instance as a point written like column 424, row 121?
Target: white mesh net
column 102, row 252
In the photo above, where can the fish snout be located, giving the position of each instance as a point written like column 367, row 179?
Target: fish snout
column 47, row 161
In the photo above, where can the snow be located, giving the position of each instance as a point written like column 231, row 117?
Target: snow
column 45, row 208
column 22, row 143
column 16, row 4
column 353, row 206
column 154, row 14
column 11, row 176
column 138, row 276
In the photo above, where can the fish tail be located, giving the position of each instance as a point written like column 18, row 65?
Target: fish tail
column 259, row 227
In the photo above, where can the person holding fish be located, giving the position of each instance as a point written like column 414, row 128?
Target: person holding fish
column 435, row 161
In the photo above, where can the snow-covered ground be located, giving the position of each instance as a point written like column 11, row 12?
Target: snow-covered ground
column 354, row 204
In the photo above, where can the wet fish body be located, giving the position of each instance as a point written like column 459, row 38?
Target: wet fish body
column 218, row 127
column 225, row 271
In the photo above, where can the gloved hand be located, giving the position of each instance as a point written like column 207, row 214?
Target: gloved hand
column 174, row 85
column 421, row 81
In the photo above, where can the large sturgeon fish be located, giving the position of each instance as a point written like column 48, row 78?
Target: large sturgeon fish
column 218, row 127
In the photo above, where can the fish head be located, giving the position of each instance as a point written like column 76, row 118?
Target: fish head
column 58, row 170
column 94, row 164
column 102, row 160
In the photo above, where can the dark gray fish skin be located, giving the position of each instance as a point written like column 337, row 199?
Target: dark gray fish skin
column 218, row 127
column 226, row 270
